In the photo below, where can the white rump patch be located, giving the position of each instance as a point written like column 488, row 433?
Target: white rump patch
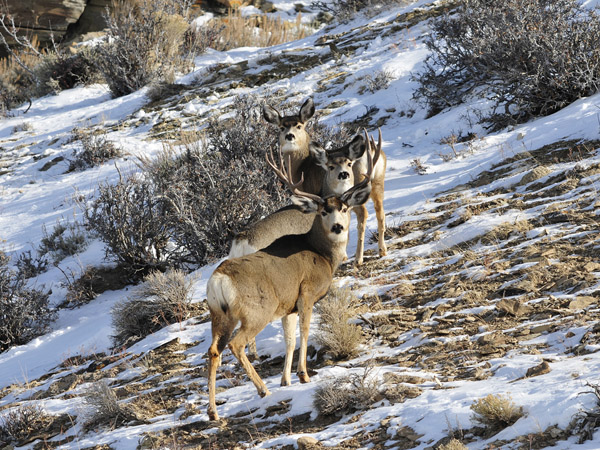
column 220, row 292
column 241, row 248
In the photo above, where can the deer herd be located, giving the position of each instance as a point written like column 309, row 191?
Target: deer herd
column 283, row 264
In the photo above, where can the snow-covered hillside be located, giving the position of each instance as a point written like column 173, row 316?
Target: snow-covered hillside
column 490, row 286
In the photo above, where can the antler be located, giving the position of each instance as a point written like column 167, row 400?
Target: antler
column 285, row 175
column 376, row 147
column 367, row 176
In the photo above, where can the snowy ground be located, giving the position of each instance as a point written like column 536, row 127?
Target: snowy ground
column 30, row 198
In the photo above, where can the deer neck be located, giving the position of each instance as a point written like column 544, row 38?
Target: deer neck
column 297, row 158
column 333, row 252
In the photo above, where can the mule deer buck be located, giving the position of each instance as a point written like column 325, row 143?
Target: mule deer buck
column 287, row 277
column 294, row 142
column 343, row 168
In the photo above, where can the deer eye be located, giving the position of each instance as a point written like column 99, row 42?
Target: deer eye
column 282, row 128
column 350, row 164
column 323, row 213
column 299, row 127
column 331, row 167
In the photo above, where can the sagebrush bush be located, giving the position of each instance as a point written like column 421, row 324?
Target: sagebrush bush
column 344, row 10
column 24, row 312
column 340, row 338
column 343, row 394
column 529, row 58
column 96, row 149
column 496, row 411
column 29, row 266
column 66, row 239
column 129, row 217
column 453, row 444
column 145, row 43
column 21, row 422
column 215, row 188
column 104, row 408
column 163, row 299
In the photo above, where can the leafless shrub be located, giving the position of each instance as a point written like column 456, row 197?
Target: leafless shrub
column 496, row 412
column 336, row 334
column 21, row 422
column 585, row 423
column 66, row 239
column 214, row 188
column 104, row 407
column 379, row 80
column 418, row 166
column 24, row 312
column 96, row 149
column 528, row 58
column 163, row 299
column 129, row 217
column 145, row 43
column 29, row 266
column 352, row 392
column 344, row 10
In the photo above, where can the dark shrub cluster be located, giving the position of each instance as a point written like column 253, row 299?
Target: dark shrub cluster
column 146, row 42
column 21, row 423
column 346, row 9
column 129, row 217
column 215, row 190
column 530, row 58
column 24, row 312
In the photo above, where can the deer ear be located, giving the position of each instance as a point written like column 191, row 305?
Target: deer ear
column 307, row 110
column 358, row 196
column 319, row 154
column 271, row 115
column 307, row 205
column 356, row 148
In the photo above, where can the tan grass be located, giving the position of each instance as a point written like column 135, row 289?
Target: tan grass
column 257, row 31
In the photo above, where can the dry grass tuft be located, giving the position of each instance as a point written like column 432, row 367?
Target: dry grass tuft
column 496, row 412
column 454, row 444
column 105, row 408
column 257, row 31
column 163, row 299
column 340, row 338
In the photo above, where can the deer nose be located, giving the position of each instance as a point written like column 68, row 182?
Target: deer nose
column 337, row 228
column 289, row 137
column 343, row 176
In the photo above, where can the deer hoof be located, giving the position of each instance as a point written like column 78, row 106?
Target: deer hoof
column 285, row 383
column 213, row 415
column 303, row 377
column 264, row 393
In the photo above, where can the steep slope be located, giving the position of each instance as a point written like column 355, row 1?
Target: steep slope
column 490, row 286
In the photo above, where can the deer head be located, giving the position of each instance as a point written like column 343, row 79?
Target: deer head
column 293, row 137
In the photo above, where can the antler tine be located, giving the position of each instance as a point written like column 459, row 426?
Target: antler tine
column 376, row 147
column 286, row 177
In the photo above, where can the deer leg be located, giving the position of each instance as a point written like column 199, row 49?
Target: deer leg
column 252, row 353
column 289, row 333
column 213, row 364
column 305, row 311
column 361, row 218
column 377, row 197
column 237, row 345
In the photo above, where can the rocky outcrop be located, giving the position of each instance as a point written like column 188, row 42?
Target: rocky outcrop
column 46, row 17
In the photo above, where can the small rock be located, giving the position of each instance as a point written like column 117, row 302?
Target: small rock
column 535, row 174
column 582, row 302
column 306, row 442
column 512, row 306
column 540, row 369
column 592, row 267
